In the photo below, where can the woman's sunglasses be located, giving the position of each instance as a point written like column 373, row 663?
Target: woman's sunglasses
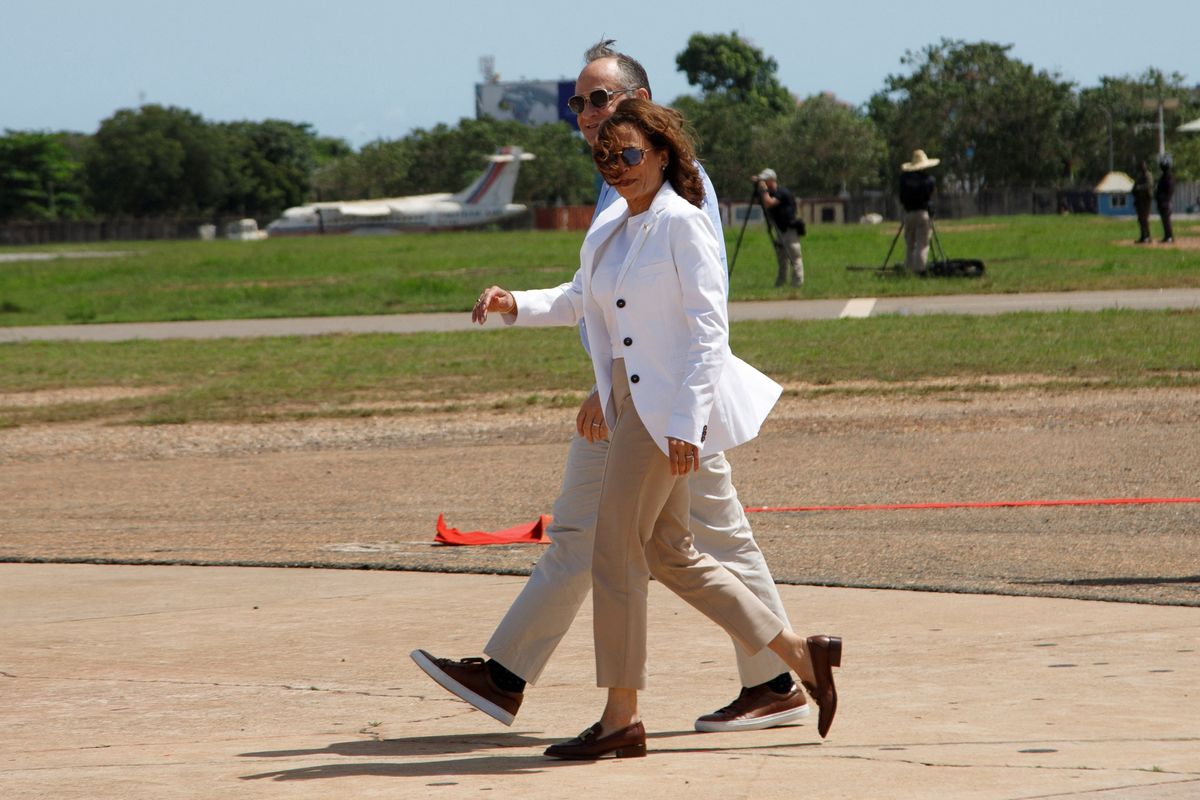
column 632, row 156
column 599, row 98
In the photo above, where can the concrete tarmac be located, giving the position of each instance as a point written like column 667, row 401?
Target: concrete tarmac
column 224, row 682
column 983, row 304
column 221, row 682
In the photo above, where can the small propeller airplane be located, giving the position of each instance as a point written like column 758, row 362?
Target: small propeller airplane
column 487, row 200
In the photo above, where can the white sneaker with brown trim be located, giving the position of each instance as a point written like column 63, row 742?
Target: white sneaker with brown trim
column 469, row 679
column 756, row 708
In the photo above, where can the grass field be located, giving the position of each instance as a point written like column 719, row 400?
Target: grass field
column 294, row 378
column 329, row 376
column 153, row 281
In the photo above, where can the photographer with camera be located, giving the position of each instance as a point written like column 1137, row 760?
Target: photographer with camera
column 780, row 207
column 916, row 193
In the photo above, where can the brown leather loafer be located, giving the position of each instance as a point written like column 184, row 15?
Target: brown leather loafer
column 826, row 653
column 629, row 742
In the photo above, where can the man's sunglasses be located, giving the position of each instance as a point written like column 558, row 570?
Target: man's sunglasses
column 632, row 156
column 599, row 98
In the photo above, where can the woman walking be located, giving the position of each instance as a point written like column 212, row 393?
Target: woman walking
column 652, row 295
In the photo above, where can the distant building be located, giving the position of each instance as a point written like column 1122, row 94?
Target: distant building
column 734, row 214
column 1114, row 195
column 528, row 102
column 815, row 210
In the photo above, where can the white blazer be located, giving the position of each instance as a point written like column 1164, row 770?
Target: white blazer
column 673, row 323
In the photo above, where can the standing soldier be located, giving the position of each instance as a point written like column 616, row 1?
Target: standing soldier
column 1163, row 192
column 1143, row 192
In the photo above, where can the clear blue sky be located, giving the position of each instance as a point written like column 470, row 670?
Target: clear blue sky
column 371, row 69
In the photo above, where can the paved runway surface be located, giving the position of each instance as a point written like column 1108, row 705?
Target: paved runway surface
column 192, row 682
column 771, row 309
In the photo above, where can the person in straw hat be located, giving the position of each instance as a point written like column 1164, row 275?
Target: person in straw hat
column 916, row 190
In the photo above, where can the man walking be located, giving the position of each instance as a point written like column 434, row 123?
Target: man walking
column 528, row 634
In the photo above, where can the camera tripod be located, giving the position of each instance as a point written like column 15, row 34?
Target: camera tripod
column 776, row 240
column 940, row 266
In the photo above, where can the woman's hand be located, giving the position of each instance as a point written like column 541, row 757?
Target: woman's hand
column 493, row 299
column 590, row 419
column 684, row 456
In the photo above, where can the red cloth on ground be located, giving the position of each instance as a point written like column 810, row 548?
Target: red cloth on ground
column 530, row 532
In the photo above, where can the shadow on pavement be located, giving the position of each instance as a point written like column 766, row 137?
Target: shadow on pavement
column 483, row 765
column 480, row 765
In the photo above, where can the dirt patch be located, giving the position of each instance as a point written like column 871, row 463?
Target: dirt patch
column 985, row 382
column 1180, row 243
column 366, row 492
column 89, row 394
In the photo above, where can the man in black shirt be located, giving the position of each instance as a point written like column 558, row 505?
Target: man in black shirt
column 780, row 204
column 916, row 190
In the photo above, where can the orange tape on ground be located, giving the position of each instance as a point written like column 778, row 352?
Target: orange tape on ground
column 1111, row 501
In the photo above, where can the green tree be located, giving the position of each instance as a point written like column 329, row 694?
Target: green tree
column 729, row 66
column 329, row 148
column 740, row 98
column 726, row 133
column 1123, row 111
column 447, row 158
column 335, row 162
column 994, row 121
column 1185, row 148
column 157, row 160
column 271, row 166
column 379, row 169
column 823, row 147
column 40, row 177
column 561, row 172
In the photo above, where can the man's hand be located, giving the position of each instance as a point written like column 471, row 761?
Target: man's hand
column 590, row 419
column 493, row 299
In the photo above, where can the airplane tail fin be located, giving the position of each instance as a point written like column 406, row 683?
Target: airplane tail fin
column 495, row 186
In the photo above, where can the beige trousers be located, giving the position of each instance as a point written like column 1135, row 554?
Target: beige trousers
column 642, row 530
column 542, row 614
column 789, row 259
column 916, row 240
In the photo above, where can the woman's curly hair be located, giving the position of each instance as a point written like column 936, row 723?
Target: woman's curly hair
column 663, row 127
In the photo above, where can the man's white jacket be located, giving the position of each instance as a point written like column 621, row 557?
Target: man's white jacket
column 673, row 328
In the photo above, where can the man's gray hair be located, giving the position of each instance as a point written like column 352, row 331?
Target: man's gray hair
column 633, row 74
